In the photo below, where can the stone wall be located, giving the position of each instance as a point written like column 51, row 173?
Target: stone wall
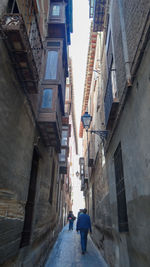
column 132, row 130
column 16, row 146
column 18, row 136
column 132, row 248
column 102, row 234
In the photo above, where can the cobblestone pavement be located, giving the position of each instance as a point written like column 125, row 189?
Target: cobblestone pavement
column 67, row 252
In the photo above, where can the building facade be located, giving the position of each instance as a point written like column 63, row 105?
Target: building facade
column 73, row 142
column 117, row 190
column 34, row 36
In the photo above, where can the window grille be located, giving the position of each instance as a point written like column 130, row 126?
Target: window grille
column 120, row 190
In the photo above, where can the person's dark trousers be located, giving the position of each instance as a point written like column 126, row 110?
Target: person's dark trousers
column 83, row 234
column 70, row 224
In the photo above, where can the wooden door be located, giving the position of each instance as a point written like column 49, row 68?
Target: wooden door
column 29, row 208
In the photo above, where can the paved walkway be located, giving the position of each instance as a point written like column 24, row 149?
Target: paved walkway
column 67, row 252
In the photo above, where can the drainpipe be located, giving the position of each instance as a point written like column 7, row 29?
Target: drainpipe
column 124, row 43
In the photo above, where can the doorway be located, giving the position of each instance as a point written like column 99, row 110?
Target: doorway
column 29, row 208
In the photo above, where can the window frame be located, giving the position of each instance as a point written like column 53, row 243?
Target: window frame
column 65, row 156
column 56, row 74
column 58, row 49
column 54, row 97
column 51, row 11
column 68, row 94
column 120, row 191
column 47, row 107
column 67, row 131
column 54, row 17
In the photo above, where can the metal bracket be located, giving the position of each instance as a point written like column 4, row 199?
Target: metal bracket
column 101, row 134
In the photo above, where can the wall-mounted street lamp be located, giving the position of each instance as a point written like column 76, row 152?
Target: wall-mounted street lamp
column 86, row 120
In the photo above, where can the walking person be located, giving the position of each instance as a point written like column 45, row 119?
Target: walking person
column 84, row 225
column 80, row 211
column 71, row 219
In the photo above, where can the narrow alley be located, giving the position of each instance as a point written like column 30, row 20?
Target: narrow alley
column 67, row 252
column 74, row 133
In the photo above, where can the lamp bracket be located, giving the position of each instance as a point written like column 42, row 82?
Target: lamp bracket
column 101, row 134
column 97, row 71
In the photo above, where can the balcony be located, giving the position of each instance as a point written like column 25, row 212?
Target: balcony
column 57, row 20
column 64, row 146
column 111, row 104
column 54, row 70
column 60, row 25
column 50, row 116
column 60, row 20
column 24, row 47
column 98, row 10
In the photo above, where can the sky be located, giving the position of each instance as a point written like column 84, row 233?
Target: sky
column 78, row 52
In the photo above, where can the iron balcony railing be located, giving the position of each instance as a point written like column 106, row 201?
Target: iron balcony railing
column 22, row 36
column 97, row 12
column 29, row 14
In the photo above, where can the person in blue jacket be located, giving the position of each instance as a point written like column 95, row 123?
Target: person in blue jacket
column 83, row 225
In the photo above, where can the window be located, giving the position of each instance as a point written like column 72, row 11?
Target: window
column 64, row 140
column 56, row 10
column 93, row 202
column 91, row 9
column 47, row 98
column 111, row 96
column 67, row 95
column 82, row 170
column 111, row 66
column 12, row 7
column 120, row 190
column 103, row 157
column 62, row 155
column 67, row 80
column 107, row 25
column 51, row 65
column 38, row 5
column 113, row 80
